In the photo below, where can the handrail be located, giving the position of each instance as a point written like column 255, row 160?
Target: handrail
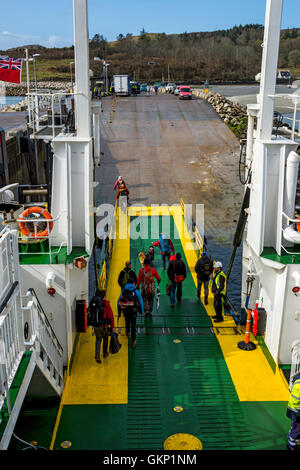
column 33, row 293
column 8, row 296
column 289, row 219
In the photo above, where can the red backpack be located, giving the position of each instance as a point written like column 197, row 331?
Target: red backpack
column 148, row 282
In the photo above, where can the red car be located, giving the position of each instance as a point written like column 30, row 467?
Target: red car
column 185, row 92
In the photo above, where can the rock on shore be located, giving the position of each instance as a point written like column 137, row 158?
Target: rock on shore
column 234, row 115
column 15, row 89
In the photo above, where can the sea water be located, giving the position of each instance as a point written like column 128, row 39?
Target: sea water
column 9, row 100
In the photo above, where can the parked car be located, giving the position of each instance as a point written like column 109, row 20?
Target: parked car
column 170, row 87
column 176, row 90
column 185, row 92
column 143, row 87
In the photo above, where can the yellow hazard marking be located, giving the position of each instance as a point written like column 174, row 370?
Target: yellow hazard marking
column 250, row 371
column 182, row 441
column 178, row 409
column 66, row 444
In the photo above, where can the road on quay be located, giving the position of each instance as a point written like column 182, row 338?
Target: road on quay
column 167, row 149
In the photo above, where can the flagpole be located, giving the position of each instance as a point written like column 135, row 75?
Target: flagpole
column 28, row 87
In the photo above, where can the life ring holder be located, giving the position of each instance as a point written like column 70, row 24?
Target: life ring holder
column 24, row 227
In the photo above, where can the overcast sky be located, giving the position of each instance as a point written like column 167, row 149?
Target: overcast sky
column 51, row 23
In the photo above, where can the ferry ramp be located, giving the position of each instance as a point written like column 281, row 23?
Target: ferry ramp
column 186, row 375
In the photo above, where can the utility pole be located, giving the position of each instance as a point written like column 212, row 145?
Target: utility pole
column 28, row 86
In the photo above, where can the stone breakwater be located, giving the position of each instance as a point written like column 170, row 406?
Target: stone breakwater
column 16, row 89
column 234, row 115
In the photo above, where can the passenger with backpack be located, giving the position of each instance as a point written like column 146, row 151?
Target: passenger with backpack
column 203, row 268
column 120, row 182
column 166, row 246
column 125, row 274
column 177, row 274
column 130, row 303
column 101, row 318
column 146, row 279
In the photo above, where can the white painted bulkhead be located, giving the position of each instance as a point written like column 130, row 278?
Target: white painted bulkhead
column 70, row 284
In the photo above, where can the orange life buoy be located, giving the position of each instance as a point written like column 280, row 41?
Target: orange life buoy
column 298, row 225
column 24, row 225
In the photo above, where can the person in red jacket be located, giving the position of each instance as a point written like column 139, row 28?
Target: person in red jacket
column 146, row 278
column 166, row 246
column 102, row 331
column 119, row 182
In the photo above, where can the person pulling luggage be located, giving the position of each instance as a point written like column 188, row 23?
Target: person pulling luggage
column 130, row 303
column 101, row 318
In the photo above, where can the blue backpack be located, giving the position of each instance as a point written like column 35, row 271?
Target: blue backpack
column 164, row 244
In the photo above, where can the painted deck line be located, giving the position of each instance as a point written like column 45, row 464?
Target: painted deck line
column 251, row 373
column 91, row 383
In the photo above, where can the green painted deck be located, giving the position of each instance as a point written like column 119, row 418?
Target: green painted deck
column 285, row 258
column 164, row 374
column 39, row 254
column 14, row 390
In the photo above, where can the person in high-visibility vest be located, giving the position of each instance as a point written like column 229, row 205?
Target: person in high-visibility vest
column 219, row 290
column 293, row 412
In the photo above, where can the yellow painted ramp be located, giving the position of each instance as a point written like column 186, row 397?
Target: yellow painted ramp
column 106, row 383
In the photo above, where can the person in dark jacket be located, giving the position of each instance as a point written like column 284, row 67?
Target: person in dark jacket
column 130, row 303
column 125, row 274
column 177, row 274
column 102, row 332
column 203, row 268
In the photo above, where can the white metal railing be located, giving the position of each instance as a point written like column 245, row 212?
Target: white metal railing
column 50, row 237
column 11, row 348
column 295, row 366
column 40, row 336
column 296, row 99
column 292, row 221
column 40, row 103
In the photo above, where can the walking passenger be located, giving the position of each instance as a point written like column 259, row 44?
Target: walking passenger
column 101, row 317
column 203, row 268
column 166, row 246
column 147, row 276
column 293, row 412
column 120, row 181
column 219, row 290
column 130, row 303
column 125, row 274
column 176, row 274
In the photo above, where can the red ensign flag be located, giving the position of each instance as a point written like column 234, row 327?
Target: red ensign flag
column 10, row 69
